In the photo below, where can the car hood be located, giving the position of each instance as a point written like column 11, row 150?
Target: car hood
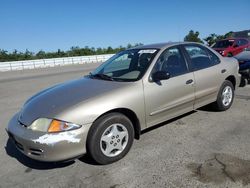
column 50, row 102
column 243, row 56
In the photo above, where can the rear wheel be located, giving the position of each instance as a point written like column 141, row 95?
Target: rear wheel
column 110, row 138
column 225, row 96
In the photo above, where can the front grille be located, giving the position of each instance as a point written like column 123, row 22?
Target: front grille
column 18, row 145
column 36, row 152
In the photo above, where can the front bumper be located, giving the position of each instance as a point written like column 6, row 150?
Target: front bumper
column 48, row 146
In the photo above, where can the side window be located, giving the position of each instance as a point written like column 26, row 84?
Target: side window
column 199, row 57
column 171, row 61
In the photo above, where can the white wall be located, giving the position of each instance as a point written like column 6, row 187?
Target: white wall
column 42, row 63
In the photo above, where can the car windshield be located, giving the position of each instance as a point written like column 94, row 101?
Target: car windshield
column 223, row 44
column 128, row 65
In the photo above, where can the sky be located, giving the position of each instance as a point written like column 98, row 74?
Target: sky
column 60, row 24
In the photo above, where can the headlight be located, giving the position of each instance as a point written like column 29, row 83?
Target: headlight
column 52, row 125
column 58, row 126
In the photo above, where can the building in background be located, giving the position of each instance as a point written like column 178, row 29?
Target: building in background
column 241, row 34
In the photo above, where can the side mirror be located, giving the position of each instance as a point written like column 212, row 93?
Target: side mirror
column 160, row 75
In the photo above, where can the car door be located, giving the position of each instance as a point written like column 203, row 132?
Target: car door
column 207, row 73
column 238, row 47
column 169, row 98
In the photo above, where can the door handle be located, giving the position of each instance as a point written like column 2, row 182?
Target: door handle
column 189, row 81
column 223, row 71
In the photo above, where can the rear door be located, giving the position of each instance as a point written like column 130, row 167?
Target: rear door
column 207, row 73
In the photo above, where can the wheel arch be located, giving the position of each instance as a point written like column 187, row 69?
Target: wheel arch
column 132, row 117
column 232, row 79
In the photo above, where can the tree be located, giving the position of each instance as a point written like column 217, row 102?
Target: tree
column 27, row 54
column 41, row 54
column 229, row 34
column 193, row 37
column 212, row 38
column 3, row 55
column 129, row 45
column 110, row 50
column 73, row 51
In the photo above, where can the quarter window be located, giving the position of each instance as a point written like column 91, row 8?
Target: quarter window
column 214, row 58
column 200, row 59
column 171, row 61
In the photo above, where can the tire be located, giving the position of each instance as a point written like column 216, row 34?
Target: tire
column 226, row 90
column 110, row 138
column 230, row 54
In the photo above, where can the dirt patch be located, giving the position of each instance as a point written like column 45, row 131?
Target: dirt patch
column 221, row 168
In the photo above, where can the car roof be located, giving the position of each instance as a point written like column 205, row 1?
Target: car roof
column 234, row 39
column 162, row 45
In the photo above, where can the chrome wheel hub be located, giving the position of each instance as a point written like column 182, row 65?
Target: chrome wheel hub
column 114, row 140
column 227, row 96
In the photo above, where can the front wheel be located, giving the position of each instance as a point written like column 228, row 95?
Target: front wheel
column 225, row 96
column 110, row 138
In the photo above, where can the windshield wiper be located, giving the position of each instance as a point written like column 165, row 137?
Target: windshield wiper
column 101, row 76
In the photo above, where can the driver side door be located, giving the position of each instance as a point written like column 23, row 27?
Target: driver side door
column 169, row 98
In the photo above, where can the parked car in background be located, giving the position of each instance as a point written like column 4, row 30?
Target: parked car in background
column 231, row 47
column 101, row 113
column 244, row 64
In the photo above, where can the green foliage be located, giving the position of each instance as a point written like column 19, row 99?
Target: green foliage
column 212, row 38
column 193, row 37
column 74, row 51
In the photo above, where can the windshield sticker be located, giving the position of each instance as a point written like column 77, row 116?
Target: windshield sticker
column 148, row 51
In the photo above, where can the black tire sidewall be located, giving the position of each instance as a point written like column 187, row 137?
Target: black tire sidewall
column 220, row 106
column 96, row 131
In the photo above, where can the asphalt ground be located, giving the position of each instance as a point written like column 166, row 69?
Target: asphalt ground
column 199, row 149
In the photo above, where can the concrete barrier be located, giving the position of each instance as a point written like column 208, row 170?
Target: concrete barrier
column 43, row 63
